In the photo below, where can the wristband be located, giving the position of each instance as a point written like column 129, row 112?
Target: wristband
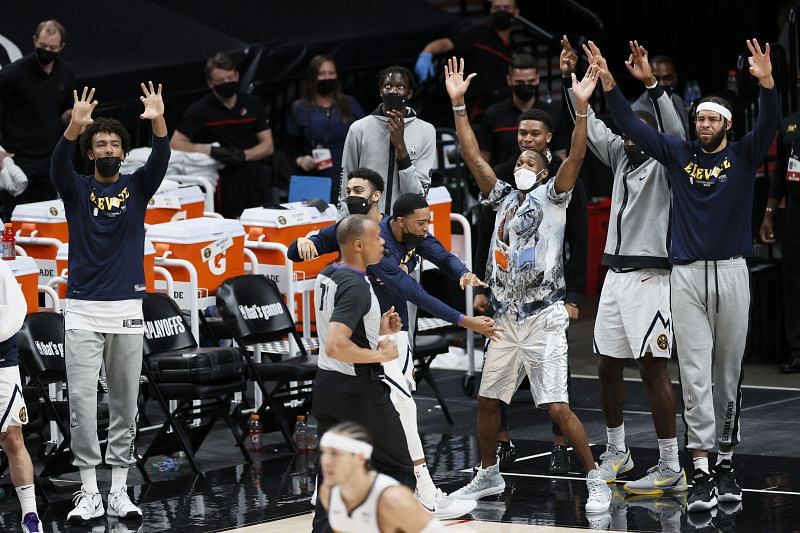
column 461, row 107
column 651, row 86
column 583, row 115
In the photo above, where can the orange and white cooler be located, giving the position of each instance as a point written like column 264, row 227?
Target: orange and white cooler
column 26, row 271
column 171, row 203
column 285, row 226
column 45, row 221
column 440, row 203
column 149, row 266
column 215, row 246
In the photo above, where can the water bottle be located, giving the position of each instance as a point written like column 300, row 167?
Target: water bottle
column 301, row 435
column 255, row 433
column 731, row 84
column 8, row 243
column 167, row 464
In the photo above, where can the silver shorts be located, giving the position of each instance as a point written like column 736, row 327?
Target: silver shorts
column 537, row 347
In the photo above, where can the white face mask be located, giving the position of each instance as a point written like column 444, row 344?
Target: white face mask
column 526, row 179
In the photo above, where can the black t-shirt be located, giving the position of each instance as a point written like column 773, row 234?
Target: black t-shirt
column 32, row 102
column 785, row 182
column 498, row 129
column 488, row 56
column 207, row 121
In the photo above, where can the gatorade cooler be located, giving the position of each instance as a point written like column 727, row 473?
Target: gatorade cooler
column 440, row 203
column 215, row 246
column 26, row 271
column 285, row 226
column 171, row 203
column 45, row 221
column 149, row 266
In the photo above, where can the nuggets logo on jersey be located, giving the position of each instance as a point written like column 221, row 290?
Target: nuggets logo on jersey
column 707, row 177
column 109, row 206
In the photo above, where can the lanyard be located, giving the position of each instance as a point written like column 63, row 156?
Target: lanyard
column 329, row 112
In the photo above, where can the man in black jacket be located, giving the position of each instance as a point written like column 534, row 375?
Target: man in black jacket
column 534, row 132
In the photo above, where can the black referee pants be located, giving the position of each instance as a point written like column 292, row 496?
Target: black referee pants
column 363, row 399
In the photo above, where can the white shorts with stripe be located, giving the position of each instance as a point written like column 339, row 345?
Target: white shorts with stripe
column 633, row 316
column 13, row 411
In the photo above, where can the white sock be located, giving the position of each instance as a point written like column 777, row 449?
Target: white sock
column 27, row 499
column 668, row 452
column 119, row 478
column 616, row 437
column 425, row 486
column 722, row 456
column 89, row 480
column 701, row 463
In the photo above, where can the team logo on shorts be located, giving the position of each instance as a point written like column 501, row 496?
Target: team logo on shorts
column 23, row 415
column 662, row 342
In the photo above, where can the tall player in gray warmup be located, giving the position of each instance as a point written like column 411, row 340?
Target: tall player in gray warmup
column 712, row 182
column 103, row 318
column 633, row 316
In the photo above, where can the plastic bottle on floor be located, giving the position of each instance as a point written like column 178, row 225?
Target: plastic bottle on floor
column 255, row 433
column 301, row 435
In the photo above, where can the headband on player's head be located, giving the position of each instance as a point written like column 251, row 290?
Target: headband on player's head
column 713, row 106
column 346, row 444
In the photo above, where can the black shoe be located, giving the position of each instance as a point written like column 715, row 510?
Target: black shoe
column 790, row 367
column 559, row 460
column 506, row 453
column 728, row 489
column 703, row 495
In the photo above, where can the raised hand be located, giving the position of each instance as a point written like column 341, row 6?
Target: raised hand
column 454, row 79
column 568, row 59
column 583, row 90
column 83, row 107
column 638, row 64
column 153, row 103
column 595, row 56
column 760, row 64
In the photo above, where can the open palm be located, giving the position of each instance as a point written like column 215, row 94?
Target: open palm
column 583, row 90
column 454, row 79
column 638, row 64
column 83, row 107
column 153, row 103
column 760, row 64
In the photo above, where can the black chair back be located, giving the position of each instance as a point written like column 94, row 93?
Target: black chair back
column 41, row 346
column 165, row 328
column 253, row 309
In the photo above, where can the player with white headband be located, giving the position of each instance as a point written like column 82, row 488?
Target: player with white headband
column 359, row 499
column 712, row 182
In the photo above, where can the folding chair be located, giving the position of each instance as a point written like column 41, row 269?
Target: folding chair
column 426, row 348
column 41, row 356
column 176, row 369
column 254, row 311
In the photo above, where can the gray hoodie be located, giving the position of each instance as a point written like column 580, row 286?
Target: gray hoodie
column 641, row 201
column 368, row 146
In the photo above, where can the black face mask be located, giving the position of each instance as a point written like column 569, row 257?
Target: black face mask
column 326, row 87
column 107, row 166
column 357, row 205
column 393, row 102
column 635, row 154
column 45, row 57
column 412, row 239
column 502, row 20
column 525, row 92
column 227, row 89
